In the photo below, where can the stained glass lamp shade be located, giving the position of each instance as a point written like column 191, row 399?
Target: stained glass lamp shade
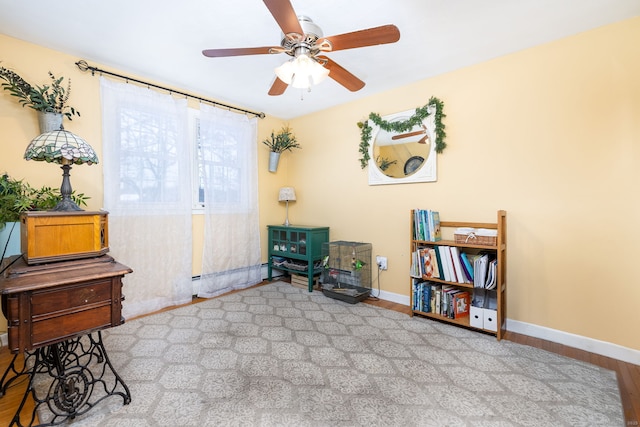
column 65, row 148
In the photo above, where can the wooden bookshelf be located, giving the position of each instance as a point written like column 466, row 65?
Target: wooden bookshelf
column 494, row 321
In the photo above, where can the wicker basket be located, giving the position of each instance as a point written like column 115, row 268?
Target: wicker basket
column 474, row 239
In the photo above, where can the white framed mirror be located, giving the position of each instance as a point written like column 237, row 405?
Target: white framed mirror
column 405, row 157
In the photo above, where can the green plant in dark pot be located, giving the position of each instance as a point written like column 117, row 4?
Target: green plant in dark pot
column 17, row 196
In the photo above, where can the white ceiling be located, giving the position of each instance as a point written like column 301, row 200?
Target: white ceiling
column 162, row 40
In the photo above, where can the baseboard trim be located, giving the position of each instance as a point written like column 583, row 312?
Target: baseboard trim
column 392, row 297
column 591, row 345
column 4, row 339
column 602, row 348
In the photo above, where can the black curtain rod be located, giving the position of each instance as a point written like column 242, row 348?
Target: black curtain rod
column 83, row 66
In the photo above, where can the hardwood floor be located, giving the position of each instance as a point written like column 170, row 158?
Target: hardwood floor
column 628, row 374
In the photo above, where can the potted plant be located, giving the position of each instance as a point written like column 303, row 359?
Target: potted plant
column 17, row 196
column 49, row 99
column 278, row 143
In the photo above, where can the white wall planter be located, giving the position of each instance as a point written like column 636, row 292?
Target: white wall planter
column 274, row 159
column 49, row 121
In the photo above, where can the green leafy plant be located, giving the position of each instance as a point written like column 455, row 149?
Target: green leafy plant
column 49, row 98
column 17, row 196
column 384, row 163
column 284, row 140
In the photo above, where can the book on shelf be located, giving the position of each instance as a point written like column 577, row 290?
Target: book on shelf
column 426, row 298
column 425, row 260
column 441, row 273
column 445, row 257
column 461, row 304
column 434, row 263
column 426, row 224
column 415, row 265
column 437, row 290
column 435, row 233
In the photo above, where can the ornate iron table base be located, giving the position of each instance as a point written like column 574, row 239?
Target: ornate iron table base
column 74, row 376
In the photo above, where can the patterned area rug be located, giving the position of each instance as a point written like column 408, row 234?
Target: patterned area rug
column 277, row 355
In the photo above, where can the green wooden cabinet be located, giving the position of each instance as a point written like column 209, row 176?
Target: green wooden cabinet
column 297, row 249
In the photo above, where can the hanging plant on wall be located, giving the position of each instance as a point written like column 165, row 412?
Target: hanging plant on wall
column 48, row 98
column 420, row 114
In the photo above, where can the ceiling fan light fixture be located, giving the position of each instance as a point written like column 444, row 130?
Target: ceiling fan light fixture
column 302, row 72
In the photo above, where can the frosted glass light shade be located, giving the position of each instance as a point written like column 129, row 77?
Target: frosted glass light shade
column 287, row 194
column 301, row 72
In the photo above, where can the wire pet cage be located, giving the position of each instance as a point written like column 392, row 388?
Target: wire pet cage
column 346, row 273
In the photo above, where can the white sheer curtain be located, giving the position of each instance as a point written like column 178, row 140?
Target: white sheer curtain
column 147, row 192
column 228, row 160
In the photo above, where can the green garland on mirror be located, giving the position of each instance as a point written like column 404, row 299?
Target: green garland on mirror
column 404, row 126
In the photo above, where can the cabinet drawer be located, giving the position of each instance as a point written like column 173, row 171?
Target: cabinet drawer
column 51, row 329
column 70, row 298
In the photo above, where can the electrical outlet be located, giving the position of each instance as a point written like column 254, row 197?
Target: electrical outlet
column 382, row 262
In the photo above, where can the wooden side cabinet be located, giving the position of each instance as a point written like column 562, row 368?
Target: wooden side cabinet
column 50, row 303
column 297, row 249
column 55, row 314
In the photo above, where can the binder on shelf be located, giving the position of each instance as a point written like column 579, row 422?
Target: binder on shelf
column 491, row 275
column 457, row 265
column 466, row 265
column 480, row 271
column 445, row 257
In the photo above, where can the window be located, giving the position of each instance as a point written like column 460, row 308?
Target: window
column 218, row 156
column 149, row 165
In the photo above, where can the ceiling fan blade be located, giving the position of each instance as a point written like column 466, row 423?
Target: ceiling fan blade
column 370, row 37
column 409, row 134
column 284, row 15
column 218, row 53
column 278, row 87
column 342, row 76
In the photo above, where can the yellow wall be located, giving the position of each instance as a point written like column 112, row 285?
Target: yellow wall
column 19, row 125
column 549, row 134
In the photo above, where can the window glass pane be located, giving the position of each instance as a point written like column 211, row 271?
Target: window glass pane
column 149, row 167
column 219, row 159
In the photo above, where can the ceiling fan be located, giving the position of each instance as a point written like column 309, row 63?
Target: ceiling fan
column 304, row 42
column 422, row 131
